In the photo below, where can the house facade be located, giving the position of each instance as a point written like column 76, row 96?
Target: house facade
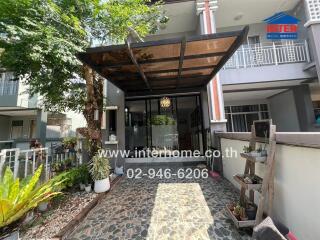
column 263, row 72
column 277, row 79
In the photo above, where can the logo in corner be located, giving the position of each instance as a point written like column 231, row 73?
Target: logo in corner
column 282, row 26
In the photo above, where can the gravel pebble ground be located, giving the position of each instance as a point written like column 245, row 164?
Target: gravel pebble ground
column 60, row 213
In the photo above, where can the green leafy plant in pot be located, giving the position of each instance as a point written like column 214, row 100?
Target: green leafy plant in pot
column 100, row 170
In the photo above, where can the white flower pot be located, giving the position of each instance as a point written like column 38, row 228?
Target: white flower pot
column 119, row 170
column 43, row 206
column 254, row 154
column 82, row 186
column 28, row 218
column 12, row 236
column 101, row 186
column 87, row 188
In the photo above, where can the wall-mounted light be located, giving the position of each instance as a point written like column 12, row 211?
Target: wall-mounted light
column 165, row 102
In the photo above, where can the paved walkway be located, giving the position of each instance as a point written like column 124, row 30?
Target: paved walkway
column 163, row 209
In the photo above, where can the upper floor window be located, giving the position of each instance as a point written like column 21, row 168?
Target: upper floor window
column 7, row 85
column 240, row 118
column 252, row 40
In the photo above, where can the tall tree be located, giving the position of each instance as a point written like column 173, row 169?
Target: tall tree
column 41, row 38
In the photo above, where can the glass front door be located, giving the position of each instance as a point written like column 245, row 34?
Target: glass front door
column 164, row 124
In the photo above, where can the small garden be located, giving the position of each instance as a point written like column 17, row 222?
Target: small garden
column 33, row 207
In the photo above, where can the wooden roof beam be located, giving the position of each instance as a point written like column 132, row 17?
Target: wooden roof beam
column 134, row 60
column 182, row 51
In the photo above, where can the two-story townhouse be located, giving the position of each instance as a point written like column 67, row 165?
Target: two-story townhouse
column 277, row 79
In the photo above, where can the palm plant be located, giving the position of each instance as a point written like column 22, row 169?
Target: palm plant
column 17, row 198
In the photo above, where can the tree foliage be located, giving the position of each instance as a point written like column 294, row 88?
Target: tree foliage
column 41, row 38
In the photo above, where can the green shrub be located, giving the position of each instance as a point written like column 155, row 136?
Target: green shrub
column 162, row 120
column 73, row 177
column 69, row 142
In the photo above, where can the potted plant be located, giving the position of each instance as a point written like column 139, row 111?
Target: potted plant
column 83, row 177
column 81, row 186
column 100, row 170
column 56, row 167
column 119, row 170
column 30, row 216
column 247, row 149
column 236, row 212
column 231, row 206
column 86, row 183
column 87, row 188
column 69, row 142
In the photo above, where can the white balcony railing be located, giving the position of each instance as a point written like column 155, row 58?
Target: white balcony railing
column 265, row 54
column 7, row 86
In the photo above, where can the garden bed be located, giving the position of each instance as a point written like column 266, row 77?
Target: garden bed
column 62, row 210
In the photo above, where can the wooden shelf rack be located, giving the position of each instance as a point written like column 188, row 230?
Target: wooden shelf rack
column 266, row 188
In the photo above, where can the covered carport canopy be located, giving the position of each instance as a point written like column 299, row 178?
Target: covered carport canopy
column 165, row 66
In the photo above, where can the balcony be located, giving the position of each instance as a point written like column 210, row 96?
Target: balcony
column 266, row 54
column 278, row 61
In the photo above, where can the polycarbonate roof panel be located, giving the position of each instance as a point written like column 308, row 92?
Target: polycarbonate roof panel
column 178, row 64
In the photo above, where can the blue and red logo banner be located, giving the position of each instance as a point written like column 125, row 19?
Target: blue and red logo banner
column 282, row 26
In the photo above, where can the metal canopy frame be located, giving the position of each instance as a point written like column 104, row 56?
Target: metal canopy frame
column 133, row 80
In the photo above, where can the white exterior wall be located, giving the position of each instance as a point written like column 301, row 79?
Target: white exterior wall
column 297, row 194
column 77, row 120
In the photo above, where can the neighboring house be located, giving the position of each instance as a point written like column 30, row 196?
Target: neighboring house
column 23, row 119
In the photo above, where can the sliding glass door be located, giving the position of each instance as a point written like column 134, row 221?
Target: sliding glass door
column 164, row 124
